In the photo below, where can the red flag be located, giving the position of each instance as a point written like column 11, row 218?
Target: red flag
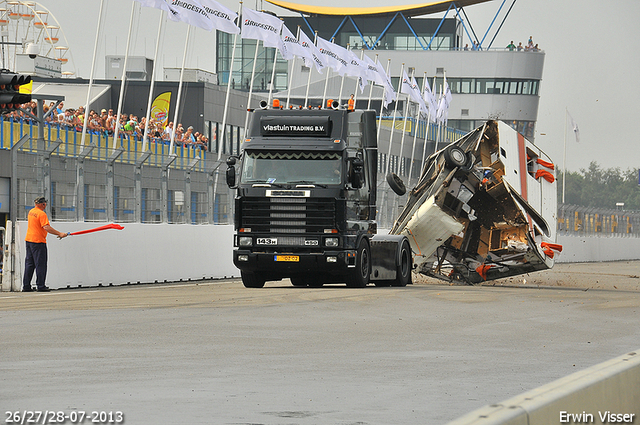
column 97, row 229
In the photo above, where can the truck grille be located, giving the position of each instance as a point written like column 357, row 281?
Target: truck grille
column 288, row 215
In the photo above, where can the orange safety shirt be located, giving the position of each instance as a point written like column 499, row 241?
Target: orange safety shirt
column 352, row 104
column 37, row 220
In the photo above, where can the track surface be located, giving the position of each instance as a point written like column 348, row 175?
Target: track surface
column 214, row 352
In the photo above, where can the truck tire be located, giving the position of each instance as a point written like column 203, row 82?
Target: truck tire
column 455, row 157
column 403, row 271
column 359, row 277
column 252, row 280
column 396, row 184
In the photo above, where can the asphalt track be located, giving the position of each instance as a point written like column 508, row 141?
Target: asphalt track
column 213, row 352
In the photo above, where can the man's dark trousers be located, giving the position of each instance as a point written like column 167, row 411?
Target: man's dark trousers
column 36, row 261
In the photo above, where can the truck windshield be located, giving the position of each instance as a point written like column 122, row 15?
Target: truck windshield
column 320, row 168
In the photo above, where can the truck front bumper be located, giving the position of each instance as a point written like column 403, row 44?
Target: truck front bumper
column 294, row 264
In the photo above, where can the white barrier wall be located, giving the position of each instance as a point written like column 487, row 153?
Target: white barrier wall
column 609, row 388
column 143, row 253
column 150, row 253
column 584, row 249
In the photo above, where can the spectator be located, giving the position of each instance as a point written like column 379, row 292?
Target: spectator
column 511, row 47
column 166, row 135
column 536, row 48
column 520, row 47
column 188, row 138
column 466, row 47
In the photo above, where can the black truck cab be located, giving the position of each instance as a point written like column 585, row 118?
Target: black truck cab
column 305, row 206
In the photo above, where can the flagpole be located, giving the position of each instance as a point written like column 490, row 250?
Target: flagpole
column 404, row 126
column 355, row 93
column 435, row 148
column 145, row 135
column 273, row 73
column 226, row 101
column 175, row 115
column 342, row 83
column 306, row 95
column 382, row 99
column 326, row 83
column 393, row 122
column 564, row 156
column 371, row 90
column 116, row 129
column 426, row 134
column 415, row 133
column 93, row 65
column 293, row 66
column 253, row 72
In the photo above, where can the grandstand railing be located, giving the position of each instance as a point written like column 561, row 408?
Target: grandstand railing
column 13, row 130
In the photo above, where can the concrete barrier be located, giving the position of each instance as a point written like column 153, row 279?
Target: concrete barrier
column 605, row 393
column 141, row 253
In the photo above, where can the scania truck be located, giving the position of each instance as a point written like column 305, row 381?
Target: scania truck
column 305, row 205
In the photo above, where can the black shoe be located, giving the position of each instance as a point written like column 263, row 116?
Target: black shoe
column 27, row 289
column 44, row 289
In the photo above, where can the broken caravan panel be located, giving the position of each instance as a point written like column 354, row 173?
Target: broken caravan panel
column 484, row 208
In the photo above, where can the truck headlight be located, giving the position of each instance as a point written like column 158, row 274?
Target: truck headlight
column 245, row 241
column 331, row 242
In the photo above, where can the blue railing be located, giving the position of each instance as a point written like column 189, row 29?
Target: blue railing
column 12, row 130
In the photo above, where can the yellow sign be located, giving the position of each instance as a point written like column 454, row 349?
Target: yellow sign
column 160, row 108
column 26, row 88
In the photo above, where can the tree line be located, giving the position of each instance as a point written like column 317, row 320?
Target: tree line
column 601, row 188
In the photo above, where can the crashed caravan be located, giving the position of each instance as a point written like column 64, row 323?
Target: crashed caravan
column 484, row 208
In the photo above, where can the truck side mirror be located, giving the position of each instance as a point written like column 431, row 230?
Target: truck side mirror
column 357, row 173
column 231, row 172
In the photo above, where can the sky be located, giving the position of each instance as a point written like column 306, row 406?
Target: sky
column 591, row 64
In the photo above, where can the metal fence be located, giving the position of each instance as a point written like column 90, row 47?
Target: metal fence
column 95, row 182
column 589, row 221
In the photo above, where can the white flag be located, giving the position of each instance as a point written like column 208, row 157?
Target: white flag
column 417, row 96
column 574, row 127
column 372, row 71
column 191, row 12
column 261, row 26
column 335, row 56
column 291, row 45
column 389, row 91
column 313, row 55
column 430, row 100
column 221, row 17
column 357, row 68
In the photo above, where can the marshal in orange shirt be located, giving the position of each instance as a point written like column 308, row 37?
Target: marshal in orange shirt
column 37, row 220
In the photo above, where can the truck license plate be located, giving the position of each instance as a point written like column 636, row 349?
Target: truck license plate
column 293, row 258
column 267, row 241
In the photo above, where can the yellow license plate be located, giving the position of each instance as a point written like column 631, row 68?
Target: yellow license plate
column 293, row 258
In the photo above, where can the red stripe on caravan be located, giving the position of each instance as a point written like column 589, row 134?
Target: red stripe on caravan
column 522, row 152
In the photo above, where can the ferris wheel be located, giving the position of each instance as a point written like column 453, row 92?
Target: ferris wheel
column 28, row 23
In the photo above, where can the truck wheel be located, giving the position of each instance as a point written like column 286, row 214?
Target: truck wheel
column 455, row 157
column 396, row 184
column 403, row 271
column 359, row 277
column 252, row 280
